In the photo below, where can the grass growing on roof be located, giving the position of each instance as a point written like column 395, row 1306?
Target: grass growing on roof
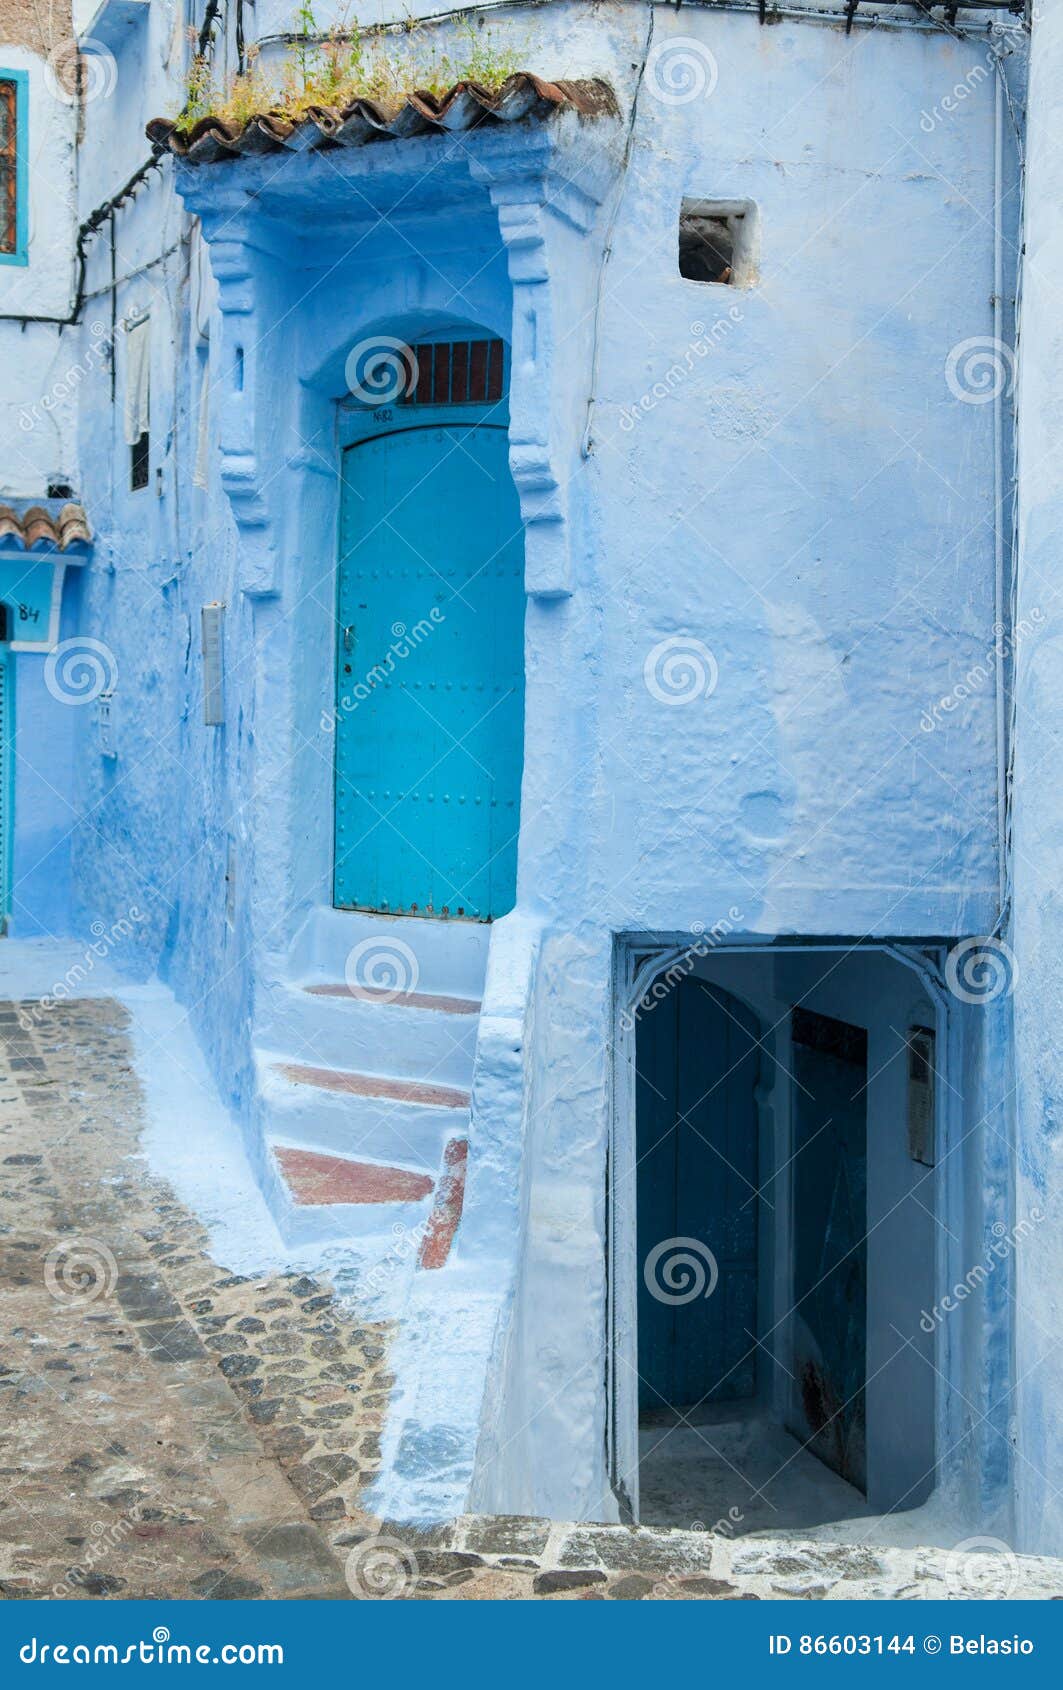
column 343, row 64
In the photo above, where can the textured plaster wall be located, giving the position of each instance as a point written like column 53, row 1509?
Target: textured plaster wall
column 1038, row 835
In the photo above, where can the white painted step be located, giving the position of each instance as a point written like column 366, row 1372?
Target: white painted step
column 407, row 1037
column 408, row 953
column 394, row 1129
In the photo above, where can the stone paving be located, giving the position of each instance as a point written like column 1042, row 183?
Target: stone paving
column 168, row 1429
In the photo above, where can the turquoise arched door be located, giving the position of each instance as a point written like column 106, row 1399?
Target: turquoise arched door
column 7, row 769
column 430, row 672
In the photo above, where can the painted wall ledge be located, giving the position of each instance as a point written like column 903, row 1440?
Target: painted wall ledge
column 276, row 232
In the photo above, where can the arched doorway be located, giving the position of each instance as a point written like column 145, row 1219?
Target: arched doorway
column 430, row 644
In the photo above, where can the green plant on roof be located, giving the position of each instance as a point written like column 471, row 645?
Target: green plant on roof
column 346, row 63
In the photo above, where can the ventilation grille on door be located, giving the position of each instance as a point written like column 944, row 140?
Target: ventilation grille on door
column 456, row 372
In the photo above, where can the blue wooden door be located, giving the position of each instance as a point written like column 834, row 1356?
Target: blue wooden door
column 830, row 1240
column 7, row 774
column 697, row 1063
column 430, row 674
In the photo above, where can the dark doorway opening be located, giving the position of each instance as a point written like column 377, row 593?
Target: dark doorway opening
column 783, row 1161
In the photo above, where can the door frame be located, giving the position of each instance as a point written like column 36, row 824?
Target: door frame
column 637, row 963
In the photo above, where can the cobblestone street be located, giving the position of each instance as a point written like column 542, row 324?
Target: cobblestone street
column 173, row 1430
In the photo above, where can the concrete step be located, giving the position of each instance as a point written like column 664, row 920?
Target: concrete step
column 319, row 1196
column 405, row 954
column 378, row 1117
column 382, row 1208
column 414, row 1036
column 375, row 1085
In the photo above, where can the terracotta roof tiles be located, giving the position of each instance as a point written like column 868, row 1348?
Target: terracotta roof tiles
column 38, row 527
column 464, row 107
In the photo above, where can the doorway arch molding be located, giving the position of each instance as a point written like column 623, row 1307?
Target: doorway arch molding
column 545, row 186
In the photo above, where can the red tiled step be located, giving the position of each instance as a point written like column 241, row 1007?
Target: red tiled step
column 404, row 1000
column 314, row 1179
column 446, row 1210
column 374, row 1085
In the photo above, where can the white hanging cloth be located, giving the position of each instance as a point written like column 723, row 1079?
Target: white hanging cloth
column 199, row 476
column 137, row 380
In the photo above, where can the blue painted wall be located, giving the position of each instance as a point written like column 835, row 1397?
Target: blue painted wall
column 788, row 514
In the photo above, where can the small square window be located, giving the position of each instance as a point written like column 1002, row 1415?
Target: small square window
column 139, row 459
column 716, row 241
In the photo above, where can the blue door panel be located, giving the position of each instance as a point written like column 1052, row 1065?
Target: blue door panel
column 698, row 1156
column 7, row 778
column 430, row 674
column 830, row 1240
